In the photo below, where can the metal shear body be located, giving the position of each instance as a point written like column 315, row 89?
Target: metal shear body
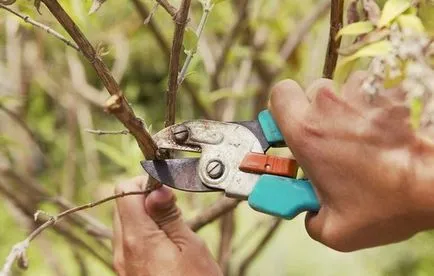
column 233, row 161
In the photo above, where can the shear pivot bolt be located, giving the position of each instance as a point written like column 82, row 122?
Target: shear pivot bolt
column 215, row 169
column 180, row 133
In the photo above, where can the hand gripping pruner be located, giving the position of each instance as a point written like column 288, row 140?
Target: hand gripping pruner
column 233, row 160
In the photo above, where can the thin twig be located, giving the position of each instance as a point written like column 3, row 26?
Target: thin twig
column 63, row 230
column 180, row 19
column 108, row 132
column 303, row 28
column 168, row 7
column 252, row 256
column 117, row 103
column 213, row 212
column 19, row 250
column 49, row 30
column 227, row 228
column 33, row 136
column 164, row 46
column 206, row 10
column 235, row 31
column 336, row 22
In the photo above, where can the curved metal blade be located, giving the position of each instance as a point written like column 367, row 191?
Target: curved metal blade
column 180, row 174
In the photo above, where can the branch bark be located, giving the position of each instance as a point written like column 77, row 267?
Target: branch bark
column 19, row 250
column 252, row 256
column 213, row 212
column 336, row 22
column 117, row 103
column 164, row 46
column 181, row 18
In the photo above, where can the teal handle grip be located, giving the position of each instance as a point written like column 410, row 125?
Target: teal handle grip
column 283, row 197
column 269, row 128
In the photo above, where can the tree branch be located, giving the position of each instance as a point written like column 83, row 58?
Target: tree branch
column 27, row 19
column 252, row 256
column 117, row 103
column 164, row 46
column 19, row 250
column 181, row 18
column 236, row 29
column 213, row 212
column 303, row 28
column 336, row 21
column 168, row 7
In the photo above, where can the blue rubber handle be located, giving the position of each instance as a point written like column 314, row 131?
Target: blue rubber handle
column 283, row 197
column 270, row 129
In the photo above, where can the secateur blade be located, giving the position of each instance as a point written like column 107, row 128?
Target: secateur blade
column 180, row 174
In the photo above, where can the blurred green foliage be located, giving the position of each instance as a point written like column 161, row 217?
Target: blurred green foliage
column 47, row 80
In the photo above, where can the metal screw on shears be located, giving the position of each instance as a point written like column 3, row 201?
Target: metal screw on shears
column 215, row 169
column 180, row 133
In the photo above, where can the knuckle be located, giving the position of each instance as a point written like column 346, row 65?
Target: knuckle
column 130, row 243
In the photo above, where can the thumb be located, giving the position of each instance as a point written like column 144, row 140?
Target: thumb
column 160, row 205
column 288, row 105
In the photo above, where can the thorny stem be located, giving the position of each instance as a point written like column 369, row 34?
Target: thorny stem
column 206, row 11
column 19, row 250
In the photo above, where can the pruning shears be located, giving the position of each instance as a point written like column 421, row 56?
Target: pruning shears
column 233, row 161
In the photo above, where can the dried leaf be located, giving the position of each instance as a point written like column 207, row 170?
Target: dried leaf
column 96, row 4
column 391, row 10
column 357, row 28
column 345, row 65
column 372, row 10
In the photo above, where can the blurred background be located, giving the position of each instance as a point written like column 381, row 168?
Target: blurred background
column 50, row 97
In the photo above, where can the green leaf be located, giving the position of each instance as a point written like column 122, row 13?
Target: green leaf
column 190, row 40
column 346, row 64
column 391, row 10
column 356, row 29
column 411, row 22
column 416, row 112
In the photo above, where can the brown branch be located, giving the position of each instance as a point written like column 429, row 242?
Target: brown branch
column 181, row 18
column 49, row 30
column 252, row 256
column 19, row 250
column 236, row 29
column 302, row 29
column 168, row 7
column 336, row 22
column 33, row 136
column 164, row 46
column 108, row 132
column 213, row 212
column 155, row 30
column 117, row 103
column 227, row 228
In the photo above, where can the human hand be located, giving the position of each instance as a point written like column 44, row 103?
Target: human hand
column 150, row 237
column 372, row 172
